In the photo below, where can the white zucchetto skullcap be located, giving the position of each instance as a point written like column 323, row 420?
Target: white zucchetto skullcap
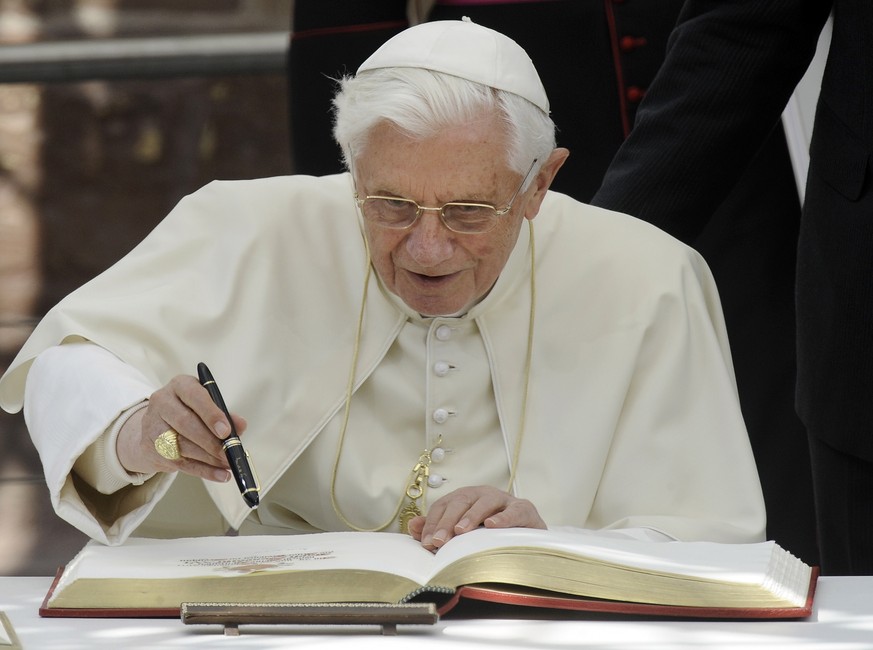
column 463, row 49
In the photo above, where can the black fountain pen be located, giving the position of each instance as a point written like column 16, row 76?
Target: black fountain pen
column 237, row 457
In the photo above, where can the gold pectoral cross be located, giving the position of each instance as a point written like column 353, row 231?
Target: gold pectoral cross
column 415, row 489
column 409, row 511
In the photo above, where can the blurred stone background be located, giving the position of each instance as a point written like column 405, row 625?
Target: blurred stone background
column 88, row 168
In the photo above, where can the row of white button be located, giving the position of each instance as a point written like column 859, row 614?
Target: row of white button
column 440, row 415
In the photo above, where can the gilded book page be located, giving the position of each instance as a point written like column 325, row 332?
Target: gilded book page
column 207, row 558
column 605, row 565
column 197, row 556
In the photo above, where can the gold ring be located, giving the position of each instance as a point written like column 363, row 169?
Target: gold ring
column 167, row 445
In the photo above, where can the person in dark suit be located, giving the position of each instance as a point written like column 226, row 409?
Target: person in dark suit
column 329, row 38
column 596, row 60
column 730, row 68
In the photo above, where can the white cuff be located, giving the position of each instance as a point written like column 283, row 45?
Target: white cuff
column 99, row 465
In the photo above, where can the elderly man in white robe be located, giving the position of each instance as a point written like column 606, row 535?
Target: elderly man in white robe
column 431, row 342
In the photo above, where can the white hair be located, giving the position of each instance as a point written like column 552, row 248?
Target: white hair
column 422, row 103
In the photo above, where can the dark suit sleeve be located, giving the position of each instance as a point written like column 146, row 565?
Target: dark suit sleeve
column 730, row 68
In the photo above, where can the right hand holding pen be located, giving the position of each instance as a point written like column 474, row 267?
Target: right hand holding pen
column 186, row 407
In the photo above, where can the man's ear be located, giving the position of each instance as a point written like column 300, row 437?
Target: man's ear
column 543, row 180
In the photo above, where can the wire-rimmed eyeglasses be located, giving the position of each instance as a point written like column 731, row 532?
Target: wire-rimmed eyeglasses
column 458, row 216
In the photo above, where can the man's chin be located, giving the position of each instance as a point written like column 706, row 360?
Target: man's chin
column 450, row 299
column 437, row 308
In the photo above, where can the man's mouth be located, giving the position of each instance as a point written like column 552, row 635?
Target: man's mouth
column 431, row 279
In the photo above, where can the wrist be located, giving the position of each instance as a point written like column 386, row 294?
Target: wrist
column 127, row 443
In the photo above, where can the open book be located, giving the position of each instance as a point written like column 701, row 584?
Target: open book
column 552, row 569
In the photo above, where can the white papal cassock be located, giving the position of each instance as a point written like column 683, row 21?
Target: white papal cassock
column 631, row 417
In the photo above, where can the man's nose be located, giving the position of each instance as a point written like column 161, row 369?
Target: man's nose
column 430, row 242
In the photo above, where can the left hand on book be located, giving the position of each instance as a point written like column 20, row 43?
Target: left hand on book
column 466, row 509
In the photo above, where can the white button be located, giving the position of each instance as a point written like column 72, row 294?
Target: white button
column 444, row 332
column 435, row 480
column 441, row 368
column 440, row 416
column 437, row 454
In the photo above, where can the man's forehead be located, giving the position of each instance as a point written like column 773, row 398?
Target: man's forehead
column 471, row 158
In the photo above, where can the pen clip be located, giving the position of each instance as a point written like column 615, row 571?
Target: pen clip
column 257, row 487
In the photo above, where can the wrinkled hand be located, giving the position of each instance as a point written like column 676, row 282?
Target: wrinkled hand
column 184, row 405
column 468, row 508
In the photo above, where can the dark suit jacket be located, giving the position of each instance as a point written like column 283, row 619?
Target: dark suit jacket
column 730, row 69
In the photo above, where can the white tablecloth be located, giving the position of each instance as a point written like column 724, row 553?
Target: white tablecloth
column 843, row 618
